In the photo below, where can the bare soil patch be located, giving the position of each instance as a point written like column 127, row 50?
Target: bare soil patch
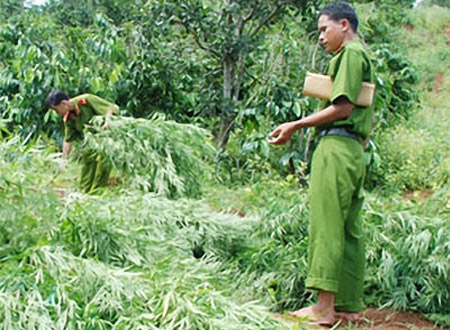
column 408, row 27
column 438, row 82
column 418, row 195
column 387, row 319
column 376, row 319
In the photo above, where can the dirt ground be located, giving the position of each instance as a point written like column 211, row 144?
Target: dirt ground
column 389, row 320
column 375, row 319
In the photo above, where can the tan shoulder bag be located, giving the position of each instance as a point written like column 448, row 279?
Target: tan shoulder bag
column 319, row 86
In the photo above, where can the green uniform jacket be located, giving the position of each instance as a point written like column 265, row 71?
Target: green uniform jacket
column 86, row 107
column 348, row 69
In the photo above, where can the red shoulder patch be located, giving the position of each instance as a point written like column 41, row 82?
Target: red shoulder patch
column 82, row 102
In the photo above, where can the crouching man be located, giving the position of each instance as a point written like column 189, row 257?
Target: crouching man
column 77, row 113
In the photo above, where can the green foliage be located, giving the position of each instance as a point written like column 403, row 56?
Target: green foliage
column 414, row 156
column 428, row 37
column 39, row 57
column 117, row 63
column 74, row 13
column 86, row 294
column 130, row 259
column 174, row 61
column 276, row 96
column 277, row 263
column 156, row 155
column 397, row 95
column 160, row 77
column 413, row 159
column 230, row 34
column 10, row 8
column 81, row 13
column 408, row 255
column 439, row 319
column 442, row 3
column 123, row 261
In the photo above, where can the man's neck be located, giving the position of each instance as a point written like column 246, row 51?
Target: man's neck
column 349, row 37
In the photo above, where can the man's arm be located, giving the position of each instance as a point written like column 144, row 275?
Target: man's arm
column 342, row 108
column 102, row 107
column 67, row 147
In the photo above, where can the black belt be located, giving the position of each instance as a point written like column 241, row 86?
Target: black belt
column 341, row 131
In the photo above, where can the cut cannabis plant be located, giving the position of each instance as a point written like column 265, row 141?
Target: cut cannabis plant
column 157, row 155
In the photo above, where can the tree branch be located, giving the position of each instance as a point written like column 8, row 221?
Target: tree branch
column 197, row 39
column 274, row 12
column 249, row 16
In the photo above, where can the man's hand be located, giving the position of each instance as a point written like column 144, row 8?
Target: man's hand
column 107, row 118
column 282, row 133
column 106, row 124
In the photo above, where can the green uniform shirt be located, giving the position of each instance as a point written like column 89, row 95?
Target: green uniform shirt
column 86, row 107
column 349, row 69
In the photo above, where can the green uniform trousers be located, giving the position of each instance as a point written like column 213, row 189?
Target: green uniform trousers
column 95, row 172
column 336, row 252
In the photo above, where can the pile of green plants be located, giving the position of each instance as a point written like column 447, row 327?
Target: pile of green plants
column 157, row 155
column 119, row 261
column 408, row 253
column 407, row 248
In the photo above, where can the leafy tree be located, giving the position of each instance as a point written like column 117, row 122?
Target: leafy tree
column 83, row 12
column 9, row 8
column 230, row 32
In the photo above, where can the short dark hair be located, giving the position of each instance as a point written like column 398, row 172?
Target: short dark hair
column 341, row 10
column 55, row 98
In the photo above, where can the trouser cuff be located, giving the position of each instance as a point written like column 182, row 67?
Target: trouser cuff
column 314, row 283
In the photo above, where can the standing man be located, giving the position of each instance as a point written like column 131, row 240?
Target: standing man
column 76, row 113
column 336, row 252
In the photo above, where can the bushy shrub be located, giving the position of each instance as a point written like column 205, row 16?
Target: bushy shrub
column 412, row 160
column 415, row 156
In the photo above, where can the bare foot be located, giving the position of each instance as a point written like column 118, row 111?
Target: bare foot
column 315, row 314
column 350, row 317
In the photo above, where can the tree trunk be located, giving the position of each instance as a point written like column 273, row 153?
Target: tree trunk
column 233, row 69
column 225, row 126
column 227, row 109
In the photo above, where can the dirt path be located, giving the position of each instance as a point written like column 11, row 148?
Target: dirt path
column 389, row 320
column 375, row 319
